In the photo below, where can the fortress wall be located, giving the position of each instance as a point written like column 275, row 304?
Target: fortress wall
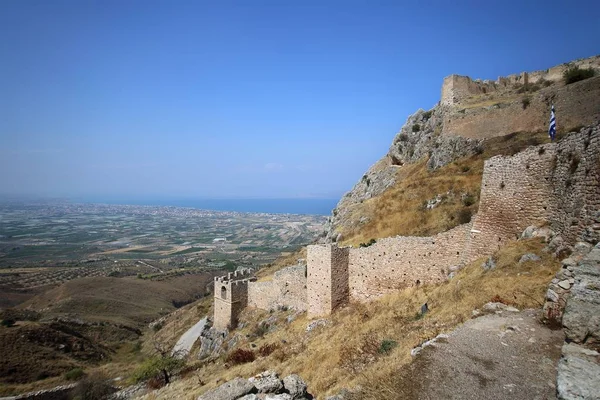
column 327, row 278
column 515, row 193
column 577, row 104
column 457, row 88
column 400, row 262
column 558, row 183
column 575, row 181
column 287, row 288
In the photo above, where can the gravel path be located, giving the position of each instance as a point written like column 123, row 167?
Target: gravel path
column 498, row 356
column 187, row 340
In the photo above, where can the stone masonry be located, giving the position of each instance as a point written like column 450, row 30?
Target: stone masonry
column 230, row 297
column 327, row 280
column 557, row 184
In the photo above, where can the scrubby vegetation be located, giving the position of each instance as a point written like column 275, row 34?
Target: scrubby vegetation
column 576, row 74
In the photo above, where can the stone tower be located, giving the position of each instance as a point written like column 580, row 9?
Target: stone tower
column 231, row 297
column 327, row 279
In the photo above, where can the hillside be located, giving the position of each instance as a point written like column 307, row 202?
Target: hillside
column 430, row 182
column 87, row 323
column 437, row 156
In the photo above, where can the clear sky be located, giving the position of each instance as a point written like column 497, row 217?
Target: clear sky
column 250, row 98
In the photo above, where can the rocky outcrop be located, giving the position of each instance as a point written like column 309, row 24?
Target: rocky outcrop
column 579, row 367
column 457, row 126
column 418, row 139
column 264, row 386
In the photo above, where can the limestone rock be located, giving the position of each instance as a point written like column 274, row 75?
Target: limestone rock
column 211, row 343
column 231, row 390
column 578, row 373
column 316, row 323
column 282, row 396
column 489, row 264
column 529, row 257
column 564, row 284
column 295, row 386
column 267, row 382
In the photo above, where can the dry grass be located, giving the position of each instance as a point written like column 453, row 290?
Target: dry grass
column 322, row 356
column 286, row 259
column 400, row 210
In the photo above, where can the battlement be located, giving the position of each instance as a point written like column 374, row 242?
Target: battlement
column 231, row 297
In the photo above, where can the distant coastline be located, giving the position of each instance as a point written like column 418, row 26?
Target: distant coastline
column 271, row 206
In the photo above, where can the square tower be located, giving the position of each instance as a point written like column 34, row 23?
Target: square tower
column 230, row 298
column 327, row 279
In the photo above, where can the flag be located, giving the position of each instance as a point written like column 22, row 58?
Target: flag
column 552, row 129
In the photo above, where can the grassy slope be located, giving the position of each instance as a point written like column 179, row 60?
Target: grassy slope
column 344, row 354
column 400, row 209
column 129, row 301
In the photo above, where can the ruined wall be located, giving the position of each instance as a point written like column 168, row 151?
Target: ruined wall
column 457, row 88
column 400, row 262
column 557, row 183
column 230, row 297
column 577, row 104
column 287, row 288
column 327, row 280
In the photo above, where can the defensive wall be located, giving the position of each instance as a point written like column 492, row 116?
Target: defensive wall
column 456, row 88
column 286, row 288
column 577, row 104
column 556, row 184
column 231, row 297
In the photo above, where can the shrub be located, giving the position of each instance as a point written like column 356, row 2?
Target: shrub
column 403, row 137
column 464, row 215
column 576, row 74
column 386, row 346
column 427, row 115
column 525, row 102
column 266, row 349
column 157, row 326
column 370, row 243
column 156, row 366
column 94, row 387
column 261, row 329
column 74, row 374
column 8, row 322
column 416, row 128
column 240, row 356
column 468, row 200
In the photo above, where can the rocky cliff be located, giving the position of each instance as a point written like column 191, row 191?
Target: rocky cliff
column 470, row 113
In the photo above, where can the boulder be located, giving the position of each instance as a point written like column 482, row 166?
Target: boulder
column 490, row 263
column 295, row 386
column 529, row 257
column 578, row 373
column 231, row 390
column 267, row 382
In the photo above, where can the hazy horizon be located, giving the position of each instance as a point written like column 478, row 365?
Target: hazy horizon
column 238, row 100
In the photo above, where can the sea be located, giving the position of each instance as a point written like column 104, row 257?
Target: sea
column 272, row 206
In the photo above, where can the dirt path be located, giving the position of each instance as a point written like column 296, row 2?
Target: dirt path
column 498, row 356
column 187, row 340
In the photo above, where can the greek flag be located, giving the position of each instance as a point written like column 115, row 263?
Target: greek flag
column 552, row 130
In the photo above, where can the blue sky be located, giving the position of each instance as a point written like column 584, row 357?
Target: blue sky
column 263, row 99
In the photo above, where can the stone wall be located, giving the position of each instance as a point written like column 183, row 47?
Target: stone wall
column 396, row 263
column 577, row 104
column 327, row 279
column 287, row 288
column 457, row 88
column 557, row 183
